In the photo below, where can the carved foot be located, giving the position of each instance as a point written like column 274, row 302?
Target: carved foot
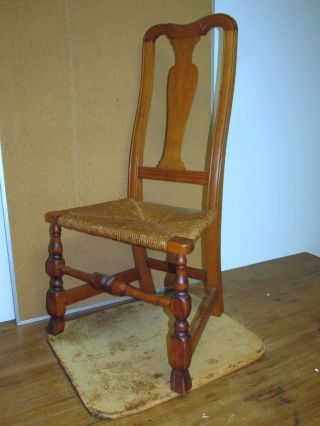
column 55, row 326
column 180, row 381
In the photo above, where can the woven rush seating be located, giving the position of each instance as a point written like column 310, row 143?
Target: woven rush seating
column 135, row 222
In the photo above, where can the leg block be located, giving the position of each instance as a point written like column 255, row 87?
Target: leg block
column 56, row 307
column 180, row 358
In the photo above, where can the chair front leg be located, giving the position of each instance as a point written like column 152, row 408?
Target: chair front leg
column 56, row 298
column 180, row 342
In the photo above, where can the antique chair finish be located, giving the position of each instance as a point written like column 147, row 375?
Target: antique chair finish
column 182, row 81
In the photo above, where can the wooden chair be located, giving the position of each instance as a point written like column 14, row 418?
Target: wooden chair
column 146, row 225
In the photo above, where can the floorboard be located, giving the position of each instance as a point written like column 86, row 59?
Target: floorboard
column 278, row 300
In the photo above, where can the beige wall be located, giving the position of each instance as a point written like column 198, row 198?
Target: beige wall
column 69, row 84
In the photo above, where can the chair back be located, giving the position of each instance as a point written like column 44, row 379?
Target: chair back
column 181, row 87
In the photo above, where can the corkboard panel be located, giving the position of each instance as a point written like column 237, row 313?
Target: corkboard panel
column 70, row 73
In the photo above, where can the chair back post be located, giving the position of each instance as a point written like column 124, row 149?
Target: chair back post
column 140, row 126
column 223, row 112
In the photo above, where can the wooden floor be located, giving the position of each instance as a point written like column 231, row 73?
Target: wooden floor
column 278, row 300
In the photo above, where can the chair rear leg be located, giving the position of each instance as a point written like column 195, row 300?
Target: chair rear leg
column 180, row 342
column 212, row 263
column 146, row 280
column 56, row 298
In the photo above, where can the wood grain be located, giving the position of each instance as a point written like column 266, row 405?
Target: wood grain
column 165, row 266
column 180, row 352
column 183, row 176
column 201, row 317
column 278, row 300
column 56, row 298
column 181, row 86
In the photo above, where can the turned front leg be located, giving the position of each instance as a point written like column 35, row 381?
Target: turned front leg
column 181, row 347
column 56, row 299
